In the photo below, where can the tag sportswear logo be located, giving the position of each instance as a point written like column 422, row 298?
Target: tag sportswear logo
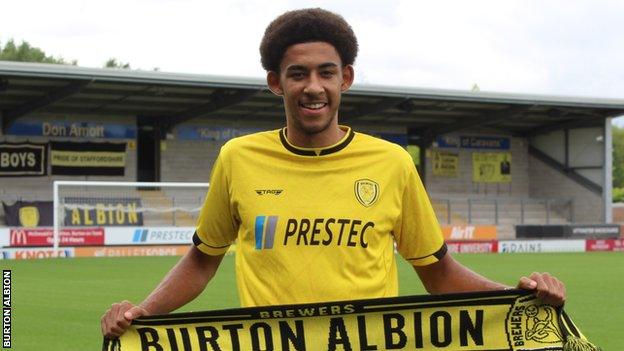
column 275, row 192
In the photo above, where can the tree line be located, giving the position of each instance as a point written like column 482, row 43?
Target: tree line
column 618, row 163
column 25, row 52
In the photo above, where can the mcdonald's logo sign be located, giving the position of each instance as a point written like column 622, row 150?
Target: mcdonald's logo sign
column 19, row 237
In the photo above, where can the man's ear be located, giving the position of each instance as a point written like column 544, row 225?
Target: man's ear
column 273, row 82
column 347, row 77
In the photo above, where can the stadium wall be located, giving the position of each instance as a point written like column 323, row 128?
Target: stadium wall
column 530, row 177
column 187, row 154
column 463, row 184
column 190, row 150
column 37, row 128
column 584, row 154
column 548, row 182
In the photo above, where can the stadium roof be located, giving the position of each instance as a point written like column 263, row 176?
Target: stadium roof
column 172, row 98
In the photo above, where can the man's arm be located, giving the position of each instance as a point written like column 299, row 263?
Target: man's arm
column 184, row 282
column 450, row 276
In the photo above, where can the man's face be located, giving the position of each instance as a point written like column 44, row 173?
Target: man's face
column 311, row 79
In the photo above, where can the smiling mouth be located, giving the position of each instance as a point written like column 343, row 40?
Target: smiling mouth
column 314, row 106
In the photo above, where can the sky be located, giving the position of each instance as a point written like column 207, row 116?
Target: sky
column 553, row 47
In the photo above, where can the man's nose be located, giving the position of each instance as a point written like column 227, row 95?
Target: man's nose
column 314, row 86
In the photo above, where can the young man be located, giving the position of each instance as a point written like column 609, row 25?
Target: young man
column 316, row 207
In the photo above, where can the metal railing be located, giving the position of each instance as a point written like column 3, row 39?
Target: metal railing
column 516, row 210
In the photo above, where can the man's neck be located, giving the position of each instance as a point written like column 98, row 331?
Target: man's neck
column 328, row 137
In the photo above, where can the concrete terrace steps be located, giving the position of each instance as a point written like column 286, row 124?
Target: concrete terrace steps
column 511, row 211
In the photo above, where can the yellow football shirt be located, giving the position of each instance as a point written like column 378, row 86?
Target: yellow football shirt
column 317, row 225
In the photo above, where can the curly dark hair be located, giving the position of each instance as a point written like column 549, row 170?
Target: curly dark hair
column 304, row 26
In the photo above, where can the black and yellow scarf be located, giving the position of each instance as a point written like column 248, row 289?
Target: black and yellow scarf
column 512, row 320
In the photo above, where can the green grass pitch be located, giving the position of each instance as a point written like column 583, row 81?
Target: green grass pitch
column 57, row 303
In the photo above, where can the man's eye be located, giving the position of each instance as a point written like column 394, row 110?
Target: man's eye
column 327, row 73
column 297, row 75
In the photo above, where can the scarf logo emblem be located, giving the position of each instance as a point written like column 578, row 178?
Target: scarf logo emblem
column 540, row 325
column 366, row 192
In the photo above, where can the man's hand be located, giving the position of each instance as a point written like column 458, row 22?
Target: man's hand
column 183, row 283
column 548, row 288
column 118, row 318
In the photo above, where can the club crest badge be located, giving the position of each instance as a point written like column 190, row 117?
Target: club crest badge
column 366, row 192
column 29, row 216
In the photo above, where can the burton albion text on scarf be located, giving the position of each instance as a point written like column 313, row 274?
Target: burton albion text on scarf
column 511, row 320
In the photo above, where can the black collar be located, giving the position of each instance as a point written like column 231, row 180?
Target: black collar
column 320, row 151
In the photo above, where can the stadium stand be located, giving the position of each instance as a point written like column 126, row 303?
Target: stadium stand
column 556, row 148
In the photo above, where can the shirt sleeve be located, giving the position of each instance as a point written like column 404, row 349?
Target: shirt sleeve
column 417, row 232
column 216, row 226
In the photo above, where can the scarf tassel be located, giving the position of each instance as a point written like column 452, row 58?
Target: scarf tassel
column 574, row 339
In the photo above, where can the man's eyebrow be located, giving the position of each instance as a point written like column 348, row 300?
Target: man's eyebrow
column 296, row 68
column 304, row 68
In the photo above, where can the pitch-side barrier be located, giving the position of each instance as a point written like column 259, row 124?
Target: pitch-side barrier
column 33, row 243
